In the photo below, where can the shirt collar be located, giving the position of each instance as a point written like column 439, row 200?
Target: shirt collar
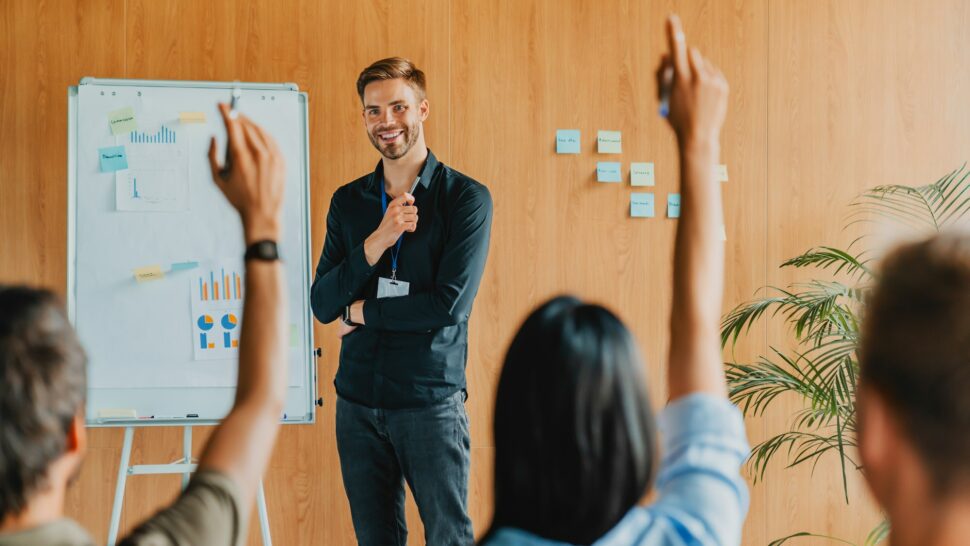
column 430, row 164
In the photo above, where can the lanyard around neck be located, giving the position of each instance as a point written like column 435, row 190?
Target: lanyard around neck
column 396, row 251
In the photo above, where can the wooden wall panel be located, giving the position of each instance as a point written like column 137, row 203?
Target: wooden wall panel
column 827, row 98
column 859, row 94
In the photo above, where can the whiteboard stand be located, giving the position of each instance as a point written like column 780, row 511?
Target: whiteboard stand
column 184, row 466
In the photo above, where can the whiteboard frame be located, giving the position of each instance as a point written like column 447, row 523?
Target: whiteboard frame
column 312, row 401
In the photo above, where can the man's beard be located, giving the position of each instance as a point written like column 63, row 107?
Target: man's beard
column 395, row 150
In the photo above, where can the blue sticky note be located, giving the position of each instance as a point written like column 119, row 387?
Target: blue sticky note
column 113, row 159
column 641, row 205
column 184, row 266
column 567, row 141
column 608, row 171
column 673, row 205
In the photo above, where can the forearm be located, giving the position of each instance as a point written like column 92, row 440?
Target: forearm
column 242, row 445
column 413, row 313
column 695, row 356
column 336, row 286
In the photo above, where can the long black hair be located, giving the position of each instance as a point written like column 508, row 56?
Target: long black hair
column 574, row 432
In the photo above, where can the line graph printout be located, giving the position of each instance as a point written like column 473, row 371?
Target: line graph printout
column 157, row 177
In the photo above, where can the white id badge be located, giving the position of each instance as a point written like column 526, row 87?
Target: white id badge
column 388, row 288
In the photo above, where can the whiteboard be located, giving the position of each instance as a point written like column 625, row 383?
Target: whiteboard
column 155, row 268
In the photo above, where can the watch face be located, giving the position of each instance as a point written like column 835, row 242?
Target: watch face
column 263, row 250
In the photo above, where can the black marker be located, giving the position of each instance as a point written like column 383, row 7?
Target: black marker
column 227, row 165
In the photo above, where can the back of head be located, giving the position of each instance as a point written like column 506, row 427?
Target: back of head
column 916, row 352
column 42, row 388
column 574, row 432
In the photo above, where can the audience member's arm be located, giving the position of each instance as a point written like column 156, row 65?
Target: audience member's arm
column 241, row 446
column 698, row 104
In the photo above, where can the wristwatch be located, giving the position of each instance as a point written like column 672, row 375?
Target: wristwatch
column 264, row 250
column 346, row 317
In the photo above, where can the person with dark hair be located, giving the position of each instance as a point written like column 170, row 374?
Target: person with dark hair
column 43, row 388
column 574, row 432
column 403, row 290
column 913, row 397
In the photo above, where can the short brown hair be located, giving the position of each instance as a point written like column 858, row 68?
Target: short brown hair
column 392, row 68
column 42, row 389
column 915, row 351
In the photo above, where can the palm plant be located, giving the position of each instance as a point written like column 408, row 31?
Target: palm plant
column 824, row 318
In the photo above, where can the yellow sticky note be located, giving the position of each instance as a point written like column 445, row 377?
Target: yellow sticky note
column 149, row 273
column 723, row 233
column 192, row 117
column 122, row 121
column 722, row 173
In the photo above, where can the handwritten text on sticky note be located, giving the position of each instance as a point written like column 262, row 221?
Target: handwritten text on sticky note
column 113, row 159
column 641, row 205
column 608, row 171
column 567, row 141
column 149, row 273
column 122, row 121
column 673, row 205
column 609, row 142
column 641, row 174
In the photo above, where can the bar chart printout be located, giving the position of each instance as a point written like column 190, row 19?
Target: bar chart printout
column 217, row 301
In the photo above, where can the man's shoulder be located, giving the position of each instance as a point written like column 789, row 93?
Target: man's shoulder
column 63, row 532
column 462, row 186
column 354, row 187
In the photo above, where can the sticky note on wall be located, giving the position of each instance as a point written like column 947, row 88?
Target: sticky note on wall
column 608, row 171
column 122, row 121
column 673, row 205
column 721, row 173
column 191, row 117
column 149, row 273
column 609, row 142
column 641, row 174
column 567, row 141
column 641, row 205
column 112, row 158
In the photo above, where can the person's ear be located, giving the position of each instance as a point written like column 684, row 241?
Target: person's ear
column 77, row 437
column 877, row 437
column 425, row 109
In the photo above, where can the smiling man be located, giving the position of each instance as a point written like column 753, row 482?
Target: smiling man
column 403, row 285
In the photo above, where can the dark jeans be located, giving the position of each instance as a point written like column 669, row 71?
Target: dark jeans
column 427, row 447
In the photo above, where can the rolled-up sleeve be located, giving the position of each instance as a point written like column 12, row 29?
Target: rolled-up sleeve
column 699, row 483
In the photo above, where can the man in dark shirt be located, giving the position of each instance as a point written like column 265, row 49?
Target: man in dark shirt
column 403, row 289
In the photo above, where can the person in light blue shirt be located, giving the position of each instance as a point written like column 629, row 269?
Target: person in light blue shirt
column 575, row 449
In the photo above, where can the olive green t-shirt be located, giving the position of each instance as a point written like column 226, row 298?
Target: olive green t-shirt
column 207, row 513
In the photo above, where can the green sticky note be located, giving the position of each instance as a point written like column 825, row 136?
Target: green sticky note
column 641, row 174
column 122, row 121
column 641, row 205
column 609, row 142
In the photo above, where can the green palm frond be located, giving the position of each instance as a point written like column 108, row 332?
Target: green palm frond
column 815, row 311
column 825, row 257
column 803, row 534
column 878, row 534
column 925, row 209
column 800, row 447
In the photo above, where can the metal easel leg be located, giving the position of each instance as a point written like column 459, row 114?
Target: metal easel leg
column 187, row 454
column 263, row 516
column 120, row 486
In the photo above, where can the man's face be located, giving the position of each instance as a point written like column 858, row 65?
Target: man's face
column 393, row 116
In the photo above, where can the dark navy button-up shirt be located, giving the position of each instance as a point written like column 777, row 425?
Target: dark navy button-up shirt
column 413, row 349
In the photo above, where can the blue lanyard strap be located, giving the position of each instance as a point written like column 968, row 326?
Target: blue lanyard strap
column 396, row 251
